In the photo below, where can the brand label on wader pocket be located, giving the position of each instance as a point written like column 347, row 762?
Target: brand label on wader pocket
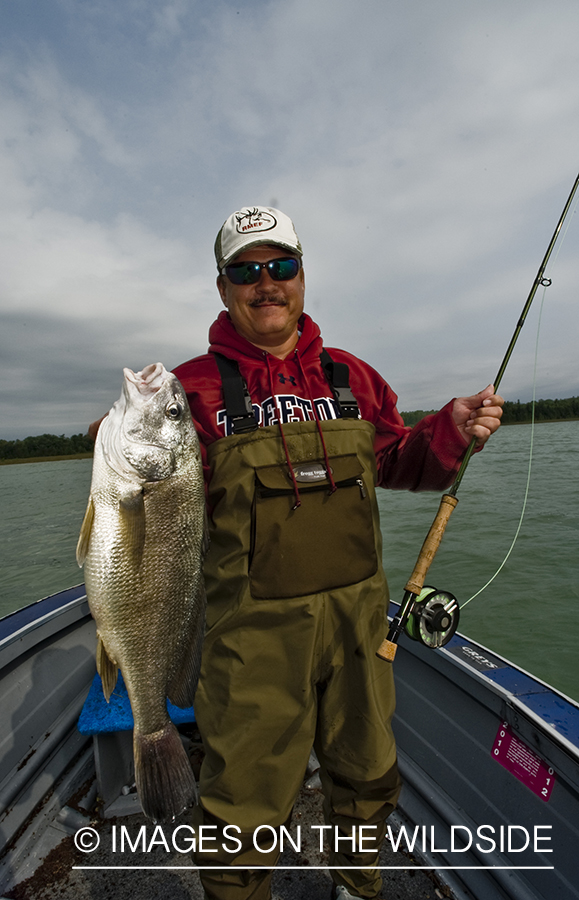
column 308, row 472
column 326, row 543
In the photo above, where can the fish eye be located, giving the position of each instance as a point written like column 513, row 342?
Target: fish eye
column 174, row 410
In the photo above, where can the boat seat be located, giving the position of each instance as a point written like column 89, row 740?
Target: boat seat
column 111, row 725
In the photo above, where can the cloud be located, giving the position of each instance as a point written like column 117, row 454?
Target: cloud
column 424, row 151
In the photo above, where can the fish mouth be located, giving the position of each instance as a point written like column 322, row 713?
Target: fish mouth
column 148, row 381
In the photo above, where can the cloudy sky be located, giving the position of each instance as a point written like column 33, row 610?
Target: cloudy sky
column 424, row 149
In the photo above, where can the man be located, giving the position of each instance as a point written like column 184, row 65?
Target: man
column 294, row 441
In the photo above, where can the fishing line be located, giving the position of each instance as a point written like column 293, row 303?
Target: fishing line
column 510, row 550
column 426, row 614
column 526, row 495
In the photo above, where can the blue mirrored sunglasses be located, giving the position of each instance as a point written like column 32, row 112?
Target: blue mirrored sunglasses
column 250, row 272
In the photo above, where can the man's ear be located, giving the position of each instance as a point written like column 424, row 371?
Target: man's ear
column 221, row 288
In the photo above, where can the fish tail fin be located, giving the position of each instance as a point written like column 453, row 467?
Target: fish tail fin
column 107, row 669
column 163, row 774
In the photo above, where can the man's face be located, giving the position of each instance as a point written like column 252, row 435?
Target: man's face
column 265, row 313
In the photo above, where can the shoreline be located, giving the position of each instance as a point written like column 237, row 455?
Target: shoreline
column 542, row 421
column 35, row 459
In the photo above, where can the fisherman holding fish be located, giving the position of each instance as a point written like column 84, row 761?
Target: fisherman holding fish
column 294, row 438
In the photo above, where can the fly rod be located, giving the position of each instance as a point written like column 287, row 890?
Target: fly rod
column 428, row 615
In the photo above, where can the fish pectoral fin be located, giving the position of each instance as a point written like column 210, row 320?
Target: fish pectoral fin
column 181, row 691
column 85, row 532
column 132, row 513
column 206, row 540
column 107, row 669
column 182, row 688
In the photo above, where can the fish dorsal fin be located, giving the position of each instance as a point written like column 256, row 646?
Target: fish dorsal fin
column 132, row 515
column 107, row 669
column 85, row 532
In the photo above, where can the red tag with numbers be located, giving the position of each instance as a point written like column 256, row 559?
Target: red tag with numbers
column 523, row 763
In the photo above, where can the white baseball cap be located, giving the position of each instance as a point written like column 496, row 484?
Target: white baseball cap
column 252, row 226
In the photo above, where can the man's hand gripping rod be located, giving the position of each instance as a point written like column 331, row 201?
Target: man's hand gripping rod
column 414, row 585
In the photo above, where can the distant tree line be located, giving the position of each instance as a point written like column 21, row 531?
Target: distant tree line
column 544, row 410
column 411, row 418
column 59, row 445
column 46, row 445
column 515, row 411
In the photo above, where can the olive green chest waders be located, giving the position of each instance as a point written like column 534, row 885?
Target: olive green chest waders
column 296, row 611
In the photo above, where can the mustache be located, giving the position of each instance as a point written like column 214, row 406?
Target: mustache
column 278, row 301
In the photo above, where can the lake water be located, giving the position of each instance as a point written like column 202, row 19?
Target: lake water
column 528, row 614
column 530, row 611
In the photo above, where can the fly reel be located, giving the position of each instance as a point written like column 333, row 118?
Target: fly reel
column 434, row 618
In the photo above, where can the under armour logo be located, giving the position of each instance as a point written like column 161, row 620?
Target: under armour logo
column 284, row 380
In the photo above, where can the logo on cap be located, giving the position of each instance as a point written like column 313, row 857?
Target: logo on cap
column 254, row 220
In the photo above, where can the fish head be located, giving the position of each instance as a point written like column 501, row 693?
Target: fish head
column 149, row 429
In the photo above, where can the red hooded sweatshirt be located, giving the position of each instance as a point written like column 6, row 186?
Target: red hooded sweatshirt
column 425, row 457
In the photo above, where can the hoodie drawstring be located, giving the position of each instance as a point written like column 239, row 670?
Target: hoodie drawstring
column 298, row 501
column 333, row 486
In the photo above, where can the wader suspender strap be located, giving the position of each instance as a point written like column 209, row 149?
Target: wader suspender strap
column 338, row 376
column 238, row 405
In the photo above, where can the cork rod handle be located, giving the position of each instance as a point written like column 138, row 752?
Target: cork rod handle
column 416, row 581
column 388, row 647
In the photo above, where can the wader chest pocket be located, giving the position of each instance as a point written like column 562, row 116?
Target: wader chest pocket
column 327, row 542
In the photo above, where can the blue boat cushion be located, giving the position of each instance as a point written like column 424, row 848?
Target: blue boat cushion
column 98, row 716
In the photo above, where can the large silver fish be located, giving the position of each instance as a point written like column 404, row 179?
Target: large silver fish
column 142, row 544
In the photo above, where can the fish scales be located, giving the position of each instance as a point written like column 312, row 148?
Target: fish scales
column 142, row 545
